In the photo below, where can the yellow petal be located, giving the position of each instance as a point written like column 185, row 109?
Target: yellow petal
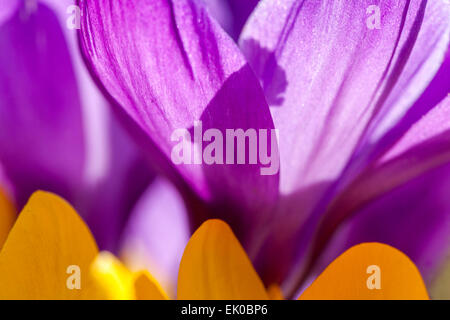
column 369, row 271
column 275, row 293
column 214, row 266
column 112, row 279
column 147, row 288
column 48, row 240
column 135, row 257
column 440, row 286
column 7, row 216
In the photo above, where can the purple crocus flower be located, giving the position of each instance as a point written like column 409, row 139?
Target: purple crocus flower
column 56, row 129
column 360, row 106
column 362, row 115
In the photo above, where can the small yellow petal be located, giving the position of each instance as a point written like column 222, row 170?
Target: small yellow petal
column 113, row 281
column 275, row 293
column 369, row 271
column 7, row 216
column 111, row 278
column 135, row 257
column 215, row 266
column 147, row 288
column 48, row 245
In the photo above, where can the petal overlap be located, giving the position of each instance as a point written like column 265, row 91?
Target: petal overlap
column 169, row 65
column 156, row 233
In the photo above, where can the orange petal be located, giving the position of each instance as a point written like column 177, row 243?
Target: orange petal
column 275, row 293
column 48, row 240
column 215, row 266
column 7, row 216
column 147, row 288
column 369, row 271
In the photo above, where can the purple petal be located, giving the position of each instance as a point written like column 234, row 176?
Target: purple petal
column 115, row 173
column 221, row 11
column 6, row 185
column 157, row 233
column 231, row 14
column 168, row 66
column 335, row 88
column 332, row 79
column 41, row 135
column 113, row 188
column 425, row 146
column 241, row 11
column 436, row 91
column 8, row 9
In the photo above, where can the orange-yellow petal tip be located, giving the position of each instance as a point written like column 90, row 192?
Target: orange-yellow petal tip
column 369, row 271
column 147, row 288
column 47, row 253
column 215, row 266
column 275, row 293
